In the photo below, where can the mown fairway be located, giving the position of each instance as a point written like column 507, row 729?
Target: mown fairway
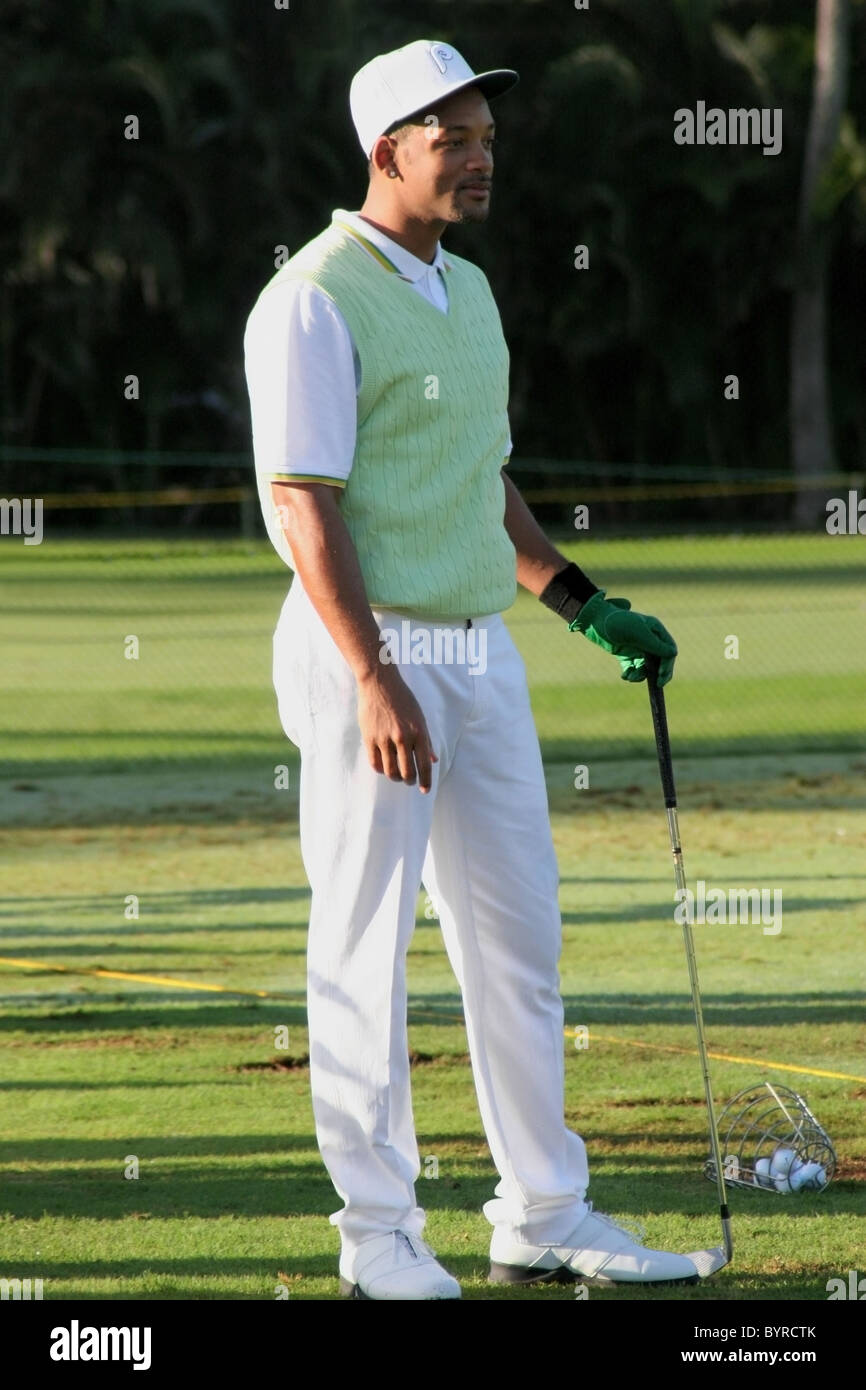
column 155, row 778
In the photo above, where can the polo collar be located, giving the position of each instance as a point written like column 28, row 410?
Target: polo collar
column 388, row 253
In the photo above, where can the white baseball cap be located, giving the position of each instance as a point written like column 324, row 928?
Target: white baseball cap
column 412, row 79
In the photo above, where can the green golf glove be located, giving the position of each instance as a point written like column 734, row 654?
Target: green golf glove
column 630, row 637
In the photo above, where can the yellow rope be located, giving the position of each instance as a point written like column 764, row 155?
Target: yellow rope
column 125, row 975
column 722, row 1057
column 434, row 1013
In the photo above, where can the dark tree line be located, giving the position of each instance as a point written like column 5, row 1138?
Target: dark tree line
column 144, row 256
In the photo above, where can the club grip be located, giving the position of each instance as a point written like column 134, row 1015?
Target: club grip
column 660, row 728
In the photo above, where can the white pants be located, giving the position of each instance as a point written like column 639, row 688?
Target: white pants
column 480, row 842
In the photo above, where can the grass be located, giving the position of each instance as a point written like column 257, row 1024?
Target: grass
column 155, row 779
column 204, row 613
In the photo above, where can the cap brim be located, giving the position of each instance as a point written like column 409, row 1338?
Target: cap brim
column 493, row 83
column 490, row 84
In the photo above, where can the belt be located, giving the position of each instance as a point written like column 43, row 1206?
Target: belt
column 421, row 619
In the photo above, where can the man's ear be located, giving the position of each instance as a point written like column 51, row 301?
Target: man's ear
column 382, row 154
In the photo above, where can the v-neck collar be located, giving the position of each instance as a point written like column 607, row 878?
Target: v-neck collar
column 387, row 264
column 374, row 250
column 408, row 267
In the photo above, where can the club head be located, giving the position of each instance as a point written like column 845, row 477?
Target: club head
column 708, row 1262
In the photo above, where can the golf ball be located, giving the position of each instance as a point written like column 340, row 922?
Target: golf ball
column 762, row 1173
column 780, row 1168
column 807, row 1177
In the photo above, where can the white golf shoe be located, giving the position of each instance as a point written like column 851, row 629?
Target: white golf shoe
column 598, row 1251
column 396, row 1266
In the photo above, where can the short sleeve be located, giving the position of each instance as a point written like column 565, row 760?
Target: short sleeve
column 302, row 375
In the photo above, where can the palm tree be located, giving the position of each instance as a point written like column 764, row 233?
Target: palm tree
column 812, row 448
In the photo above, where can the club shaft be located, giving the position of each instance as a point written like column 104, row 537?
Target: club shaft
column 663, row 748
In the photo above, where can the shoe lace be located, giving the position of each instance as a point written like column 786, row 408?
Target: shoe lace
column 415, row 1244
column 625, row 1224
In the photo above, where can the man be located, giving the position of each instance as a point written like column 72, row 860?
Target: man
column 378, row 378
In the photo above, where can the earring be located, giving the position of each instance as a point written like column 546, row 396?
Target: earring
column 392, row 173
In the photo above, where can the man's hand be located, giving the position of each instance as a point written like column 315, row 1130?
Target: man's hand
column 393, row 728
column 392, row 725
column 630, row 637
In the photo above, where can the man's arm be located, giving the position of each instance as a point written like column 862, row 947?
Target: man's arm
column 391, row 721
column 327, row 563
column 564, row 588
column 537, row 559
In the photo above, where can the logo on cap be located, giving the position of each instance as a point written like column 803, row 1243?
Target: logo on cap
column 441, row 56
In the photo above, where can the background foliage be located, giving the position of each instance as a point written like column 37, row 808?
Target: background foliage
column 121, row 256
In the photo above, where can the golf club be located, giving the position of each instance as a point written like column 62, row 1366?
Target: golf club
column 708, row 1261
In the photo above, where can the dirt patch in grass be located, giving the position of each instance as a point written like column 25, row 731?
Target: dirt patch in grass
column 851, row 1170
column 278, row 1064
column 651, row 1100
column 142, row 1042
column 416, row 1059
column 442, row 1059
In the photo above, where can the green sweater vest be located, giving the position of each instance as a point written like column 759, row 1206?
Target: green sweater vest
column 424, row 502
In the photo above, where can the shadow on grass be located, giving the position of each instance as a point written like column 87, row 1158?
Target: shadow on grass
column 742, row 747
column 91, row 1017
column 195, row 754
column 645, row 1186
column 138, row 956
column 782, row 1010
column 618, row 879
column 136, row 939
column 656, row 909
column 470, row 1270
column 160, row 902
column 122, row 1083
column 641, row 1010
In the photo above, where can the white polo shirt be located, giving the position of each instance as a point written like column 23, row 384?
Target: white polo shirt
column 303, row 370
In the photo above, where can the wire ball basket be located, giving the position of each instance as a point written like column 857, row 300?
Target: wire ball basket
column 771, row 1141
